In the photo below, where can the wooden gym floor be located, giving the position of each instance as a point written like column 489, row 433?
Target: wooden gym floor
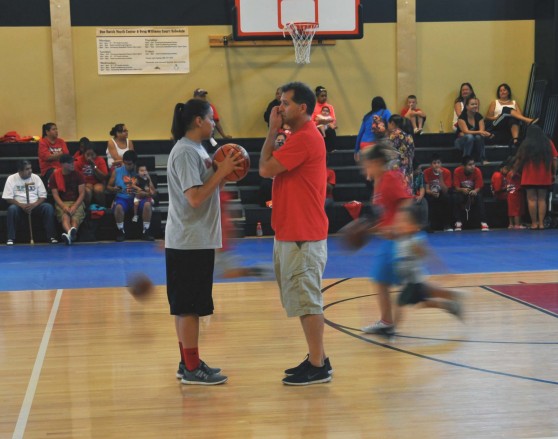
column 95, row 363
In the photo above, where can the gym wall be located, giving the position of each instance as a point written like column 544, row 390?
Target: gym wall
column 494, row 45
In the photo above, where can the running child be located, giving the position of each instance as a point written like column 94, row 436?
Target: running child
column 411, row 249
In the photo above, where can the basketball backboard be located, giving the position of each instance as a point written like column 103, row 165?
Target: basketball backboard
column 265, row 19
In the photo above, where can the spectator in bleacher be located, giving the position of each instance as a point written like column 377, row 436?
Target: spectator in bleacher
column 471, row 131
column 415, row 115
column 274, row 103
column 438, row 182
column 16, row 196
column 330, row 126
column 419, row 192
column 537, row 160
column 94, row 170
column 368, row 135
column 122, row 182
column 468, row 184
column 81, row 147
column 465, row 91
column 51, row 148
column 266, row 184
column 507, row 130
column 400, row 130
column 201, row 94
column 68, row 191
column 118, row 145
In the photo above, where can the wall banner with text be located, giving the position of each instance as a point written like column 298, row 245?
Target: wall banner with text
column 143, row 51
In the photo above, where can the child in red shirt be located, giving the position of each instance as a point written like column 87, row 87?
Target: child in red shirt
column 414, row 114
column 437, row 180
column 516, row 199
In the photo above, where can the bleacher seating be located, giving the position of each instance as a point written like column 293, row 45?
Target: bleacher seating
column 246, row 212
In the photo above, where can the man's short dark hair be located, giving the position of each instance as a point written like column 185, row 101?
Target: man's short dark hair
column 466, row 159
column 22, row 164
column 130, row 156
column 302, row 94
column 435, row 157
column 412, row 97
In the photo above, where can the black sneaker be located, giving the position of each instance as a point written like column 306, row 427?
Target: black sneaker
column 305, row 364
column 202, row 378
column 53, row 241
column 308, row 375
column 73, row 234
column 120, row 235
column 203, row 365
column 146, row 236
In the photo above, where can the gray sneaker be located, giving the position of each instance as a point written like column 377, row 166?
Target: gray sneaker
column 202, row 378
column 203, row 365
column 379, row 328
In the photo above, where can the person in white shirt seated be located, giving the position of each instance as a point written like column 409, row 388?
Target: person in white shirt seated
column 27, row 202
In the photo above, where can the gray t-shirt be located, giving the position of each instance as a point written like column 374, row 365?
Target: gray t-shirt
column 409, row 265
column 187, row 228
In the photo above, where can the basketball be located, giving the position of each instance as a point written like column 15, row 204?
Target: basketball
column 356, row 234
column 225, row 151
column 140, row 286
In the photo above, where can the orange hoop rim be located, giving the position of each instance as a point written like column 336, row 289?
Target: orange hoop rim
column 303, row 25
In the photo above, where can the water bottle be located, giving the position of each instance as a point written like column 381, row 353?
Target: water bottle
column 441, row 127
column 259, row 231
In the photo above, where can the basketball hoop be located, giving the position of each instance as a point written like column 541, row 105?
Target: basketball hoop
column 302, row 34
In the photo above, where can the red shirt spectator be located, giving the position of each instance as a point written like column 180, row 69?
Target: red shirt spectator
column 84, row 168
column 388, row 194
column 72, row 182
column 405, row 110
column 537, row 174
column 433, row 180
column 299, row 195
column 472, row 181
column 46, row 149
column 499, row 185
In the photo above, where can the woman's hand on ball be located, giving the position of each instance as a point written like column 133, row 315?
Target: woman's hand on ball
column 232, row 162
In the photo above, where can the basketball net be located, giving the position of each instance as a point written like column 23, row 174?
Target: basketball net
column 302, row 34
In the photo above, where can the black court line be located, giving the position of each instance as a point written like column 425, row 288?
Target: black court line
column 523, row 302
column 340, row 328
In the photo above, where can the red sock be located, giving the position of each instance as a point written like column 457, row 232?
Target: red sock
column 191, row 358
column 181, row 352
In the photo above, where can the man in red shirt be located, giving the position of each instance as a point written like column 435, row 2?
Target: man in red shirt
column 300, row 223
column 468, row 184
column 94, row 170
column 438, row 194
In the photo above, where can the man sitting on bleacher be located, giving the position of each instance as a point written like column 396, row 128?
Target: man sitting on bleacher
column 468, row 184
column 123, row 183
column 27, row 202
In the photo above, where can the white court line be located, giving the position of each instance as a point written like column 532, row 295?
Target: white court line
column 34, row 380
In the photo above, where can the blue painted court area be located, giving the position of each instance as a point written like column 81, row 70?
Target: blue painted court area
column 42, row 267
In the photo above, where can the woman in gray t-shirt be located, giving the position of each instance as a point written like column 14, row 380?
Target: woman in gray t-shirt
column 193, row 232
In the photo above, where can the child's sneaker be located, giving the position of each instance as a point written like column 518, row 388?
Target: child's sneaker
column 380, row 328
column 135, row 219
column 10, row 242
column 484, row 227
column 306, row 363
column 458, row 227
column 308, row 375
column 203, row 365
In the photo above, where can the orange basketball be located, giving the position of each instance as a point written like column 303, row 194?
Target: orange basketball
column 225, row 151
column 140, row 286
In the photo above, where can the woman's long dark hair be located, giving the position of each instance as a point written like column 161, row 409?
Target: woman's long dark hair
column 184, row 115
column 535, row 148
column 46, row 127
column 378, row 104
column 507, row 87
column 459, row 97
column 466, row 102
